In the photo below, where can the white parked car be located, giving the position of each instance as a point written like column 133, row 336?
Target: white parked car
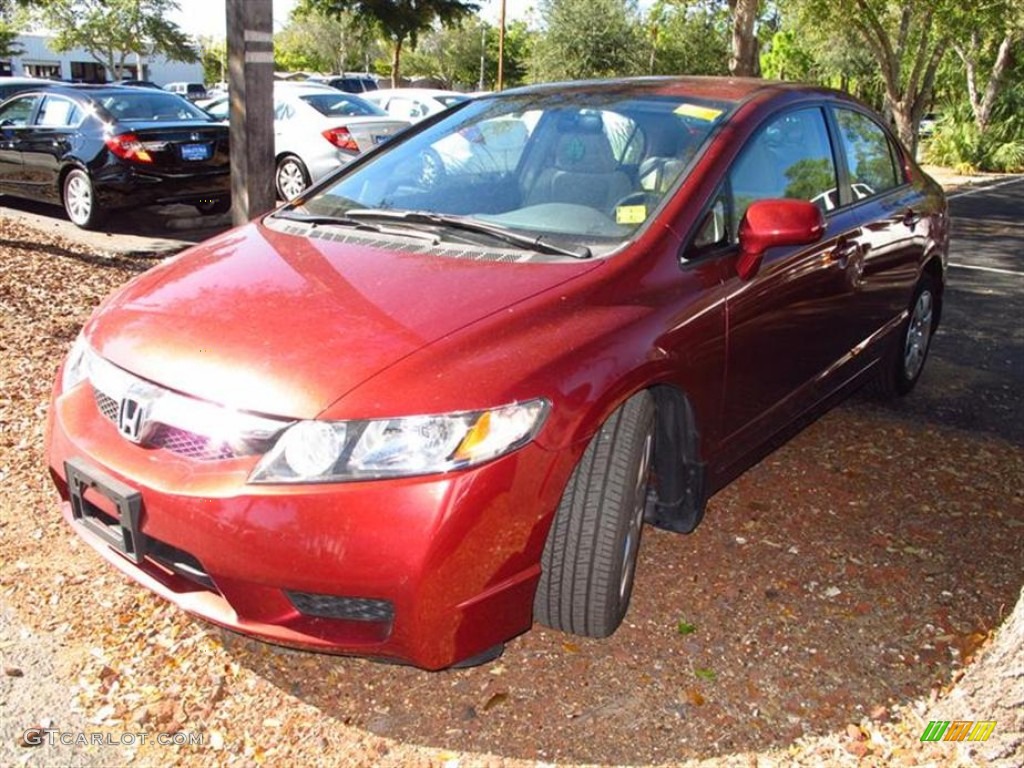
column 414, row 104
column 317, row 129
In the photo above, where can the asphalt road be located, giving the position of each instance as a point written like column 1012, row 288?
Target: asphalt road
column 975, row 376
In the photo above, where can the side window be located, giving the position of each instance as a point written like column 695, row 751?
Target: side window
column 17, row 113
column 869, row 155
column 790, row 157
column 404, row 108
column 58, row 113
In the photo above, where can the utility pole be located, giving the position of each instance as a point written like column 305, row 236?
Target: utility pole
column 483, row 54
column 501, row 48
column 250, row 85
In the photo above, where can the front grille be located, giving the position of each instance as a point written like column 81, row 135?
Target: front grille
column 107, row 405
column 348, row 608
column 171, row 419
column 189, row 444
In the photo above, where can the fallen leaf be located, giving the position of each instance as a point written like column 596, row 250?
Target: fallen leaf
column 695, row 697
column 496, row 700
column 704, row 673
column 686, row 628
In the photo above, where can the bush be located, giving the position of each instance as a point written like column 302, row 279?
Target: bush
column 958, row 144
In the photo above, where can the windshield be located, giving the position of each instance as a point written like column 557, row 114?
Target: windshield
column 591, row 166
column 341, row 104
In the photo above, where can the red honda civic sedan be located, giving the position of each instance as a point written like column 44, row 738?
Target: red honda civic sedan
column 437, row 397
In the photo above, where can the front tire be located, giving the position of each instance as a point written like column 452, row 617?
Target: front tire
column 902, row 366
column 590, row 556
column 79, row 200
column 290, row 178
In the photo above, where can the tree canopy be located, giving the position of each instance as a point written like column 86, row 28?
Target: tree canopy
column 403, row 21
column 589, row 38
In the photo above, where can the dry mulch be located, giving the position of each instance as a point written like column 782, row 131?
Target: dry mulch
column 829, row 599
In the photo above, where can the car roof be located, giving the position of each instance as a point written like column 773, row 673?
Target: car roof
column 425, row 92
column 89, row 89
column 724, row 88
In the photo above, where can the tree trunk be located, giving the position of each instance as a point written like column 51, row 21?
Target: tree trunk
column 982, row 104
column 396, row 62
column 991, row 689
column 906, row 127
column 744, row 60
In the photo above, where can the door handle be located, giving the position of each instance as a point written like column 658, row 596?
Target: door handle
column 910, row 218
column 843, row 252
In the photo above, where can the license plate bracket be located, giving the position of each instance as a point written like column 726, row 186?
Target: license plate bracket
column 123, row 534
column 195, row 152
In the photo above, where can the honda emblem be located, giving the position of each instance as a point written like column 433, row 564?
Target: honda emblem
column 130, row 419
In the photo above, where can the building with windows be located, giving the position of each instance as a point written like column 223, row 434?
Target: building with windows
column 37, row 59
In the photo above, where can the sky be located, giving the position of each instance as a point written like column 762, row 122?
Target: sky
column 206, row 17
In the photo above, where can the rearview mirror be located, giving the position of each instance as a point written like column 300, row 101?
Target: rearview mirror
column 771, row 223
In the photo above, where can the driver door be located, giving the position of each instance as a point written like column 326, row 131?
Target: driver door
column 786, row 323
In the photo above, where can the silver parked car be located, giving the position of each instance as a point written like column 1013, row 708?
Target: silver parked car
column 317, row 129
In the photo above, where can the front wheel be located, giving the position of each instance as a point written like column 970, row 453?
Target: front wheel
column 902, row 367
column 590, row 556
column 79, row 199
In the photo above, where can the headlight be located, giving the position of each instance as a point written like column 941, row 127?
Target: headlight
column 337, row 451
column 76, row 365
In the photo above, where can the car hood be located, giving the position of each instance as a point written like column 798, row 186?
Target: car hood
column 285, row 325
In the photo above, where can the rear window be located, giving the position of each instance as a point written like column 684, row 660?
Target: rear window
column 150, row 105
column 341, row 105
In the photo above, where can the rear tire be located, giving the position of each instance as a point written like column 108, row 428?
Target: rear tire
column 590, row 556
column 290, row 177
column 79, row 200
column 902, row 365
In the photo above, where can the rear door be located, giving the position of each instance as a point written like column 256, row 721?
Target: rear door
column 54, row 134
column 890, row 242
column 15, row 124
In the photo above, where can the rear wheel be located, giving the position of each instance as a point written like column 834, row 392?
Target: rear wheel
column 902, row 367
column 590, row 557
column 80, row 200
column 291, row 177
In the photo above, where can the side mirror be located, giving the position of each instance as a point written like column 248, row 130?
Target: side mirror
column 771, row 223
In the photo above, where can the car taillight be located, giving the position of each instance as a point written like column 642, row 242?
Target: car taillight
column 341, row 138
column 128, row 147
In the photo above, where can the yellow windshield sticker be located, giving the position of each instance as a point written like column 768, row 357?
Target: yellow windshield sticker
column 631, row 214
column 699, row 112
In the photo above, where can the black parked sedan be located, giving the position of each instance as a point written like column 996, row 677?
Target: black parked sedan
column 94, row 149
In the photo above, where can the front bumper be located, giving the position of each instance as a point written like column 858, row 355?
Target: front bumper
column 429, row 571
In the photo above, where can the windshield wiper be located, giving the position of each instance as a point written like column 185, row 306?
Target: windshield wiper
column 343, row 220
column 473, row 225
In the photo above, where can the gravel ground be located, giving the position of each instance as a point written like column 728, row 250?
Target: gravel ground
column 817, row 617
